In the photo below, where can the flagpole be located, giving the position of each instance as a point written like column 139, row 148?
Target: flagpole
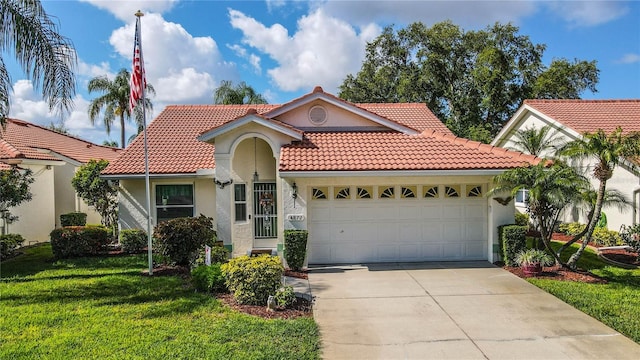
column 139, row 14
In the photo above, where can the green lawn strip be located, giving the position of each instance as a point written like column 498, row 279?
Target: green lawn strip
column 103, row 308
column 616, row 304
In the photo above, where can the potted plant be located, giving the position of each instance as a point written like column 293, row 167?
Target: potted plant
column 532, row 260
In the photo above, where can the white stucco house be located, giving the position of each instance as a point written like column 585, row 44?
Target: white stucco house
column 370, row 182
column 54, row 158
column 568, row 120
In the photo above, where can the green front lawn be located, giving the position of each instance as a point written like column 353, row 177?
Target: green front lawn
column 616, row 303
column 103, row 308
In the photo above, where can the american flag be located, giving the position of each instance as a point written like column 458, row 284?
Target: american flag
column 137, row 73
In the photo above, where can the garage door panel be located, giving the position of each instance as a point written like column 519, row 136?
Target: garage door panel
column 389, row 230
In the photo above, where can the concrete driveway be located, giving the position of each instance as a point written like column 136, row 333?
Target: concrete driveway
column 449, row 310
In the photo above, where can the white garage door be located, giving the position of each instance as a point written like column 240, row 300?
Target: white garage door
column 389, row 230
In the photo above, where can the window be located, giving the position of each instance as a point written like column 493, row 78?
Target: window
column 408, row 192
column 452, row 191
column 343, row 193
column 364, row 192
column 240, row 201
column 386, row 193
column 173, row 201
column 431, row 192
column 522, row 197
column 319, row 193
column 474, row 191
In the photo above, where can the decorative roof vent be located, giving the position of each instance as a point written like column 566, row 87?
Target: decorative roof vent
column 318, row 115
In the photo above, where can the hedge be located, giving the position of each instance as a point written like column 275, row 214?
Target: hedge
column 74, row 241
column 181, row 239
column 295, row 248
column 513, row 240
column 133, row 240
column 73, row 219
column 253, row 279
column 9, row 243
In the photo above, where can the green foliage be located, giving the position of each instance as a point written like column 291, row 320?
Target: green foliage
column 99, row 193
column 79, row 308
column 285, row 296
column 133, row 240
column 9, row 243
column 14, row 188
column 253, row 279
column 630, row 235
column 181, row 239
column 513, row 239
column 295, row 248
column 73, row 219
column 45, row 56
column 601, row 236
column 242, row 93
column 208, row 278
column 522, row 219
column 473, row 80
column 534, row 256
column 74, row 241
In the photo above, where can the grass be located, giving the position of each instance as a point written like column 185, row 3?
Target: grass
column 90, row 308
column 616, row 304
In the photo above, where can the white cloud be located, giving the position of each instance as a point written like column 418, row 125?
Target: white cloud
column 321, row 52
column 588, row 13
column 182, row 68
column 629, row 59
column 254, row 60
column 93, row 70
column 125, row 10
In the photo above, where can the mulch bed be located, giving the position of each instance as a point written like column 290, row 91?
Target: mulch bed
column 622, row 256
column 559, row 273
column 296, row 274
column 301, row 308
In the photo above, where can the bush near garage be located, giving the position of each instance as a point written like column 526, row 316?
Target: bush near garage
column 601, row 236
column 295, row 248
column 133, row 240
column 181, row 239
column 522, row 219
column 9, row 243
column 73, row 219
column 513, row 240
column 75, row 241
column 253, row 279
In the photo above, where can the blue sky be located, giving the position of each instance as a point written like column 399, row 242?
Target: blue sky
column 285, row 48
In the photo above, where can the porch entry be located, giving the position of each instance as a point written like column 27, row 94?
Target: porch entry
column 265, row 211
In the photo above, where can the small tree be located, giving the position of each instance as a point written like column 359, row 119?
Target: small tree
column 14, row 190
column 101, row 194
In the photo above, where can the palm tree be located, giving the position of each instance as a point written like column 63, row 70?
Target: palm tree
column 534, row 141
column 608, row 151
column 115, row 101
column 242, row 93
column 46, row 56
column 551, row 189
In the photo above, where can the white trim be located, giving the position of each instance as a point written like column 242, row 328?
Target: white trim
column 27, row 161
column 345, row 106
column 378, row 173
column 222, row 129
column 275, row 150
column 154, row 176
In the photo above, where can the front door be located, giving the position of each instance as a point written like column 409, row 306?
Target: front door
column 265, row 216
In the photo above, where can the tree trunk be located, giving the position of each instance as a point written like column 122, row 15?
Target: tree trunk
column 122, row 143
column 573, row 260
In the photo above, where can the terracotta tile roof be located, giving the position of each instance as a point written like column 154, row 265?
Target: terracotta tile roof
column 361, row 151
column 172, row 140
column 174, row 148
column 21, row 139
column 591, row 115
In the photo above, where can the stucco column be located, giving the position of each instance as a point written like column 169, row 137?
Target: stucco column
column 223, row 198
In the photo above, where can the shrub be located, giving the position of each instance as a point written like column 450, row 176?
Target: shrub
column 180, row 239
column 75, row 241
column 133, row 240
column 253, row 279
column 601, row 236
column 208, row 278
column 73, row 219
column 513, row 240
column 522, row 219
column 285, row 297
column 630, row 235
column 9, row 243
column 534, row 256
column 295, row 248
column 573, row 228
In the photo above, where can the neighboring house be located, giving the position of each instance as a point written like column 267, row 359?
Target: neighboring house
column 569, row 119
column 54, row 159
column 370, row 182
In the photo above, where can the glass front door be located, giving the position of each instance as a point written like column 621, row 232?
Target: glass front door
column 265, row 217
